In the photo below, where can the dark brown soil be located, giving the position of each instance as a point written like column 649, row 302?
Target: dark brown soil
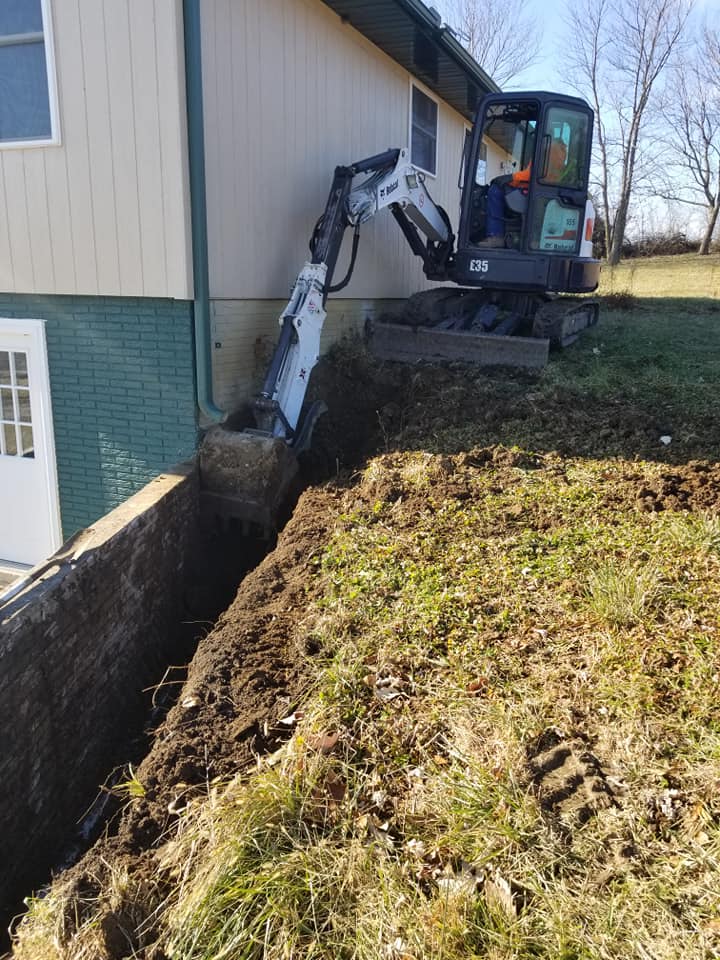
column 252, row 669
column 247, row 674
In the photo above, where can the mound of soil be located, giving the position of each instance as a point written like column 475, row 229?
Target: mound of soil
column 247, row 674
column 694, row 487
column 252, row 669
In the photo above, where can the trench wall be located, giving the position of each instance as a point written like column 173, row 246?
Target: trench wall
column 76, row 651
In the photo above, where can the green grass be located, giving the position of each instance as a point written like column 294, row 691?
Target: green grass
column 495, row 585
column 493, row 629
column 686, row 276
column 666, row 352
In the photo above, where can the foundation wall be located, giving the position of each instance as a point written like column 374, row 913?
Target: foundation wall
column 77, row 649
column 245, row 333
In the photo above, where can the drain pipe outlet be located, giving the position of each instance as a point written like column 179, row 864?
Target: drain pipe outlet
column 198, row 209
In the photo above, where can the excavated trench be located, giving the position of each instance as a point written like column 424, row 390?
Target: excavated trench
column 254, row 665
column 237, row 682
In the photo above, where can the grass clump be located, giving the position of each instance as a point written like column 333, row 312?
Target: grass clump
column 619, row 300
column 624, row 594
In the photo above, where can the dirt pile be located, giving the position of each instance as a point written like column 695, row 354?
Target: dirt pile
column 251, row 671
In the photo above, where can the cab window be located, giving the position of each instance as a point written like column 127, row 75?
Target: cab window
column 512, row 128
column 564, row 148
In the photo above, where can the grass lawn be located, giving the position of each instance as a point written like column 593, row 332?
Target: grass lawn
column 511, row 747
column 683, row 276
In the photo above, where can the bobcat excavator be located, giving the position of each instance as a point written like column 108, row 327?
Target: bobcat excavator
column 523, row 247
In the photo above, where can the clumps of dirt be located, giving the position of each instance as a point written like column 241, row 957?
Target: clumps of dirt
column 694, row 487
column 247, row 675
column 375, row 406
column 569, row 780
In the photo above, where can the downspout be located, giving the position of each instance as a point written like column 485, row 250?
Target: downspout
column 198, row 210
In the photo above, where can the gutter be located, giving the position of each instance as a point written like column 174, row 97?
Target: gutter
column 198, row 211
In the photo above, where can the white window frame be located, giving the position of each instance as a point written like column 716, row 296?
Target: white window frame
column 49, row 41
column 431, row 96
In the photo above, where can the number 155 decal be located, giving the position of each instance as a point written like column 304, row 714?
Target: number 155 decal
column 478, row 266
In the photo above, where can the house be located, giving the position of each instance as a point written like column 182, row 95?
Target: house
column 162, row 164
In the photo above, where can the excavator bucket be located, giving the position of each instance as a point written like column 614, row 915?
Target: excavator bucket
column 246, row 478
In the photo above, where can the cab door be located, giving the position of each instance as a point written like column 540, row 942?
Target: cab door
column 560, row 180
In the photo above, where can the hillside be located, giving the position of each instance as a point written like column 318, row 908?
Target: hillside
column 470, row 705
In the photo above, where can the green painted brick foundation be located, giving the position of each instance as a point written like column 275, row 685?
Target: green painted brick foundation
column 123, row 394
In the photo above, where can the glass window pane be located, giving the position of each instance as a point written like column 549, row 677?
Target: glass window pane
column 566, row 133
column 21, row 370
column 423, row 150
column 20, row 16
column 424, row 131
column 10, row 439
column 26, row 439
column 424, row 111
column 4, row 367
column 23, row 397
column 24, row 98
column 7, row 410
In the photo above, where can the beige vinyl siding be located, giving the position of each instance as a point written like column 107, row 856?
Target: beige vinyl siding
column 290, row 92
column 245, row 331
column 105, row 212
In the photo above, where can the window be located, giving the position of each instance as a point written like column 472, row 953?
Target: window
column 26, row 80
column 16, row 432
column 424, row 132
column 481, row 168
column 565, row 147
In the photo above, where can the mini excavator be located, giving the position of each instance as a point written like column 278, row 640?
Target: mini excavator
column 521, row 257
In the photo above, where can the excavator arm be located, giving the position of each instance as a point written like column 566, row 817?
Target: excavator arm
column 392, row 182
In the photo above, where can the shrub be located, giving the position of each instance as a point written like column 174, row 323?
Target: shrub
column 620, row 300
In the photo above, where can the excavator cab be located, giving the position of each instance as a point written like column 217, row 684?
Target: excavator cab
column 526, row 224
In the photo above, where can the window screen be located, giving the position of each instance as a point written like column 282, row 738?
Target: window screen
column 423, row 146
column 24, row 95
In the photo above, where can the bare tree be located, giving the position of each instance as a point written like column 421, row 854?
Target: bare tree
column 500, row 34
column 693, row 109
column 618, row 53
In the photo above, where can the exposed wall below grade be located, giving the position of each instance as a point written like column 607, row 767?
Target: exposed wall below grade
column 245, row 332
column 76, row 651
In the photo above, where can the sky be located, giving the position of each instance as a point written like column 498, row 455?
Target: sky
column 551, row 15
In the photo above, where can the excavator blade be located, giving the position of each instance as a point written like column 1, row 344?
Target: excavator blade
column 410, row 344
column 246, row 478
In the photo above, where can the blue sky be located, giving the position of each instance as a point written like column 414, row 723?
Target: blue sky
column 551, row 15
column 547, row 74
